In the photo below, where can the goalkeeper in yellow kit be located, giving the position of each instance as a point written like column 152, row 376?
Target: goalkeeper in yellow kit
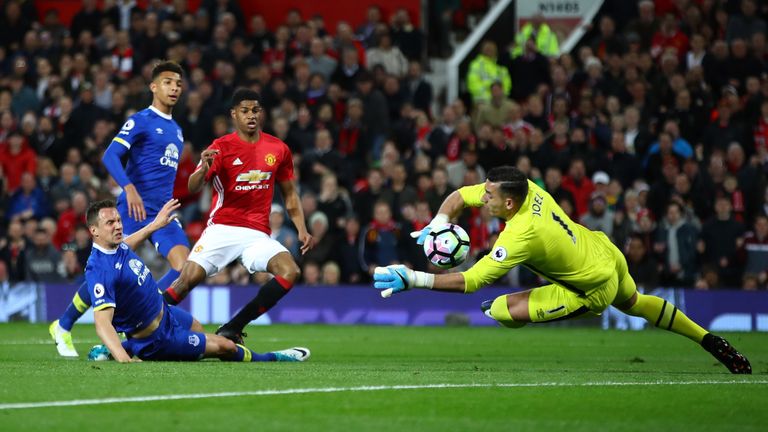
column 587, row 273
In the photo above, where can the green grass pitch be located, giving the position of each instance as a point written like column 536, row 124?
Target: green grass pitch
column 393, row 379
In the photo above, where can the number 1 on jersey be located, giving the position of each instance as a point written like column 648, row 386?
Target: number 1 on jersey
column 562, row 223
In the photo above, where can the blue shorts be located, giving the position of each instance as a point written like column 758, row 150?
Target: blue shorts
column 164, row 239
column 172, row 341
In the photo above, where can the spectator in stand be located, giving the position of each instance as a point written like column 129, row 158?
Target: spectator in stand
column 419, row 90
column 403, row 193
column 669, row 38
column 745, row 24
column 331, row 274
column 13, row 250
column 553, row 179
column 676, row 243
column 742, row 66
column 285, row 235
column 325, row 248
column 17, row 159
column 67, row 185
column 496, row 111
column 624, row 166
column 538, row 31
column 260, row 36
column 321, row 160
column 367, row 31
column 607, row 41
column 349, row 253
column 528, row 71
column 373, row 192
column 598, row 217
column 643, row 267
column 468, row 163
column 310, row 273
column 348, row 69
column 195, row 120
column 70, row 219
column 579, row 185
column 440, row 189
column 42, row 259
column 756, row 250
column 724, row 129
column 319, row 61
column 406, row 36
column 334, row 203
column 645, row 25
column 383, row 240
column 387, row 55
column 375, row 113
column 29, row 201
column 665, row 155
column 721, row 239
column 484, row 71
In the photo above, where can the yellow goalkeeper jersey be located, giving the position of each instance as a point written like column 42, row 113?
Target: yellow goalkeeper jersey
column 541, row 237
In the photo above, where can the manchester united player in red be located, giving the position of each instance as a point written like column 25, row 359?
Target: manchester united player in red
column 243, row 168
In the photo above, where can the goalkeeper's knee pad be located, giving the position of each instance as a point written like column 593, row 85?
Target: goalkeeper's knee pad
column 500, row 312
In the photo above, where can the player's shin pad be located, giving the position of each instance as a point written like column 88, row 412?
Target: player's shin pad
column 500, row 312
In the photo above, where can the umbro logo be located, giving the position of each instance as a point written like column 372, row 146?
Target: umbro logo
column 118, row 266
column 237, row 162
column 159, row 131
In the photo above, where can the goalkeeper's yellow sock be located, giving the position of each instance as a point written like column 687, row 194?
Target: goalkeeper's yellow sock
column 665, row 315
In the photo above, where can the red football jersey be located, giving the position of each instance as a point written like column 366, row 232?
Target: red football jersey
column 243, row 177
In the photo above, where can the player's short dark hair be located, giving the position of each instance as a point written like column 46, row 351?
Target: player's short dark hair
column 512, row 181
column 166, row 66
column 92, row 214
column 244, row 94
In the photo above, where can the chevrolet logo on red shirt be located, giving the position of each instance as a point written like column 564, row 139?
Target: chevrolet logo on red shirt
column 254, row 176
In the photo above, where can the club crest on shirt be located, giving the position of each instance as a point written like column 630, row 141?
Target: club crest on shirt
column 194, row 340
column 270, row 159
column 198, row 248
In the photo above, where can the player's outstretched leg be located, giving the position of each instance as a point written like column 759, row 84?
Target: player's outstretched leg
column 60, row 330
column 286, row 274
column 726, row 354
column 191, row 275
column 665, row 315
column 226, row 350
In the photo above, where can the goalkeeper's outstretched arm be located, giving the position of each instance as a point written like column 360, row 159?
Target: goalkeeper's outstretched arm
column 452, row 205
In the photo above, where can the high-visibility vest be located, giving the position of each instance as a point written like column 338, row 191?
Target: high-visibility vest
column 546, row 41
column 484, row 71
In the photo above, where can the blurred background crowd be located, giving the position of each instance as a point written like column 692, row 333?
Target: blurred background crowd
column 652, row 130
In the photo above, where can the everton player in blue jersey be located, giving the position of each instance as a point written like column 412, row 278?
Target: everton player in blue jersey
column 126, row 299
column 151, row 141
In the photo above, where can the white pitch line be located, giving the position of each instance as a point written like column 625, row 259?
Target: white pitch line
column 79, row 402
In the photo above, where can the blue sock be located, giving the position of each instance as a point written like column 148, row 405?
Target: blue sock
column 167, row 279
column 80, row 303
column 244, row 354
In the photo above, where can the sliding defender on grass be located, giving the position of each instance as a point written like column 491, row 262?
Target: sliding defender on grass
column 126, row 299
column 587, row 272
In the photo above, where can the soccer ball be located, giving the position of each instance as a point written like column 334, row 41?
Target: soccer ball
column 447, row 245
column 99, row 353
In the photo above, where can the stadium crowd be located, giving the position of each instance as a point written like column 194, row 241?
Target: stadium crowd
column 654, row 132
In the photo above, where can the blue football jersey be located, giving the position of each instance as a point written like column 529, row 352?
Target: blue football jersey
column 154, row 141
column 119, row 279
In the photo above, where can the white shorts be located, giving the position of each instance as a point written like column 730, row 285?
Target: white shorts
column 221, row 244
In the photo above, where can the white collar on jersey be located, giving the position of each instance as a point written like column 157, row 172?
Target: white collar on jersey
column 104, row 250
column 160, row 113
